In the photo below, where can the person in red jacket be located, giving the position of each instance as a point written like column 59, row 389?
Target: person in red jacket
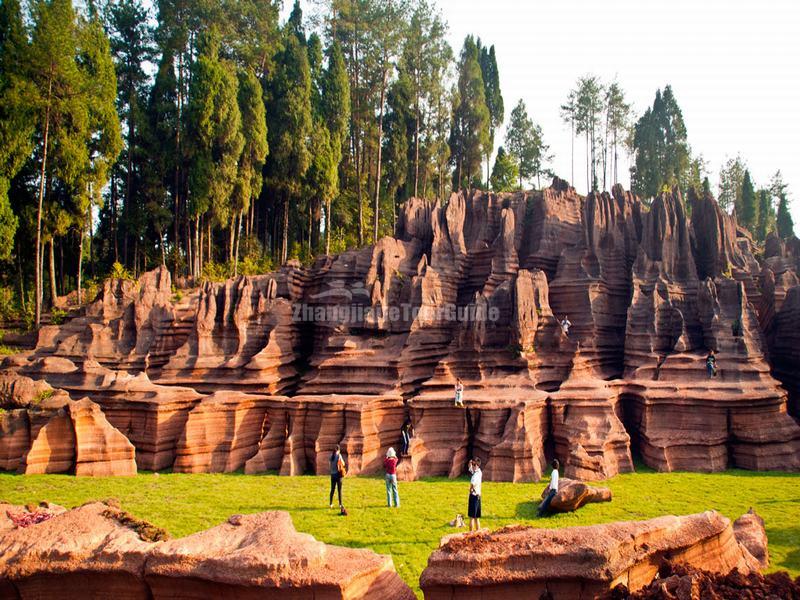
column 390, row 466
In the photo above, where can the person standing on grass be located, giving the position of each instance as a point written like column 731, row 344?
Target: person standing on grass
column 338, row 470
column 552, row 490
column 474, row 506
column 459, row 393
column 390, row 466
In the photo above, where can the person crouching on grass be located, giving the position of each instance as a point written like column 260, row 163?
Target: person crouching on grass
column 390, row 466
column 474, row 507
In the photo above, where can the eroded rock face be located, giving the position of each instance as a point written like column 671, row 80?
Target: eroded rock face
column 99, row 551
column 263, row 556
column 585, row 562
column 47, row 432
column 348, row 349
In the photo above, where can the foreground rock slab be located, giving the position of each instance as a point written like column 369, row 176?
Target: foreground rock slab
column 580, row 562
column 99, row 551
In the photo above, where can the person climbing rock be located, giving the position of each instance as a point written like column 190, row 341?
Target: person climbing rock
column 711, row 364
column 474, row 504
column 565, row 325
column 390, row 466
column 338, row 471
column 459, row 393
column 552, row 490
column 407, row 431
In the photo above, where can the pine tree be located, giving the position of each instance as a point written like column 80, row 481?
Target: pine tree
column 618, row 115
column 321, row 178
column 660, row 147
column 102, row 137
column 748, row 215
column 400, row 126
column 524, row 142
column 289, row 127
column 469, row 133
column 335, row 112
column 16, row 123
column 784, row 224
column 505, row 172
column 61, row 112
column 214, row 140
column 254, row 154
column 492, row 93
column 588, row 109
column 132, row 47
column 765, row 216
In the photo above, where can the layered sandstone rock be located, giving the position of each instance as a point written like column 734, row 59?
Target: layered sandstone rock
column 580, row 562
column 98, row 551
column 573, row 494
column 471, row 288
column 301, row 433
column 85, row 552
column 263, row 556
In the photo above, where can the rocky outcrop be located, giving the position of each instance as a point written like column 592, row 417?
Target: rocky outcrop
column 100, row 551
column 581, row 562
column 474, row 289
column 263, row 554
column 44, row 431
column 573, row 494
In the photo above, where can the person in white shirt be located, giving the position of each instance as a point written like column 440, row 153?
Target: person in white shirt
column 565, row 325
column 459, row 393
column 552, row 489
column 474, row 507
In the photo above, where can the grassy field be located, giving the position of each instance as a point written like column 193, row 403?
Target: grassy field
column 184, row 504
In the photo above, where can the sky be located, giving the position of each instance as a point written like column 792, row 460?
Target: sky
column 734, row 67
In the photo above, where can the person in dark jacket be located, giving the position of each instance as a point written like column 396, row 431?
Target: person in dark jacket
column 338, row 470
column 407, row 430
column 711, row 364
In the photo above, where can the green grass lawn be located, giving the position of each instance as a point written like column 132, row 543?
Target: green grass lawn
column 184, row 504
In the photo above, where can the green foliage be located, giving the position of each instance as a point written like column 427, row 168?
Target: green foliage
column 43, row 395
column 660, row 146
column 469, row 132
column 214, row 272
column 215, row 139
column 747, row 216
column 58, row 316
column 765, row 215
column 505, row 172
column 731, row 178
column 784, row 225
column 120, row 272
column 184, row 504
column 524, row 142
column 255, row 150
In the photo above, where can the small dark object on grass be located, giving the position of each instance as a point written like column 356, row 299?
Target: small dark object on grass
column 147, row 531
column 343, row 512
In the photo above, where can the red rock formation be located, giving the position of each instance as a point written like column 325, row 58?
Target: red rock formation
column 98, row 551
column 100, row 449
column 221, row 433
column 750, row 533
column 585, row 562
column 573, row 494
column 263, row 556
column 381, row 333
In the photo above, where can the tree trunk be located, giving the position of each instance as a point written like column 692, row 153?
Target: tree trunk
column 572, row 122
column 416, row 147
column 208, row 240
column 197, row 247
column 80, row 258
column 285, row 232
column 231, row 236
column 236, row 252
column 53, row 288
column 114, row 215
column 39, row 286
column 376, row 215
column 21, row 280
column 328, row 225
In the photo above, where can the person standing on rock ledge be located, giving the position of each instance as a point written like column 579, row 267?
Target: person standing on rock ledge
column 711, row 364
column 407, row 430
column 338, row 470
column 553, row 490
column 459, row 393
column 565, row 325
column 390, row 466
column 474, row 506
